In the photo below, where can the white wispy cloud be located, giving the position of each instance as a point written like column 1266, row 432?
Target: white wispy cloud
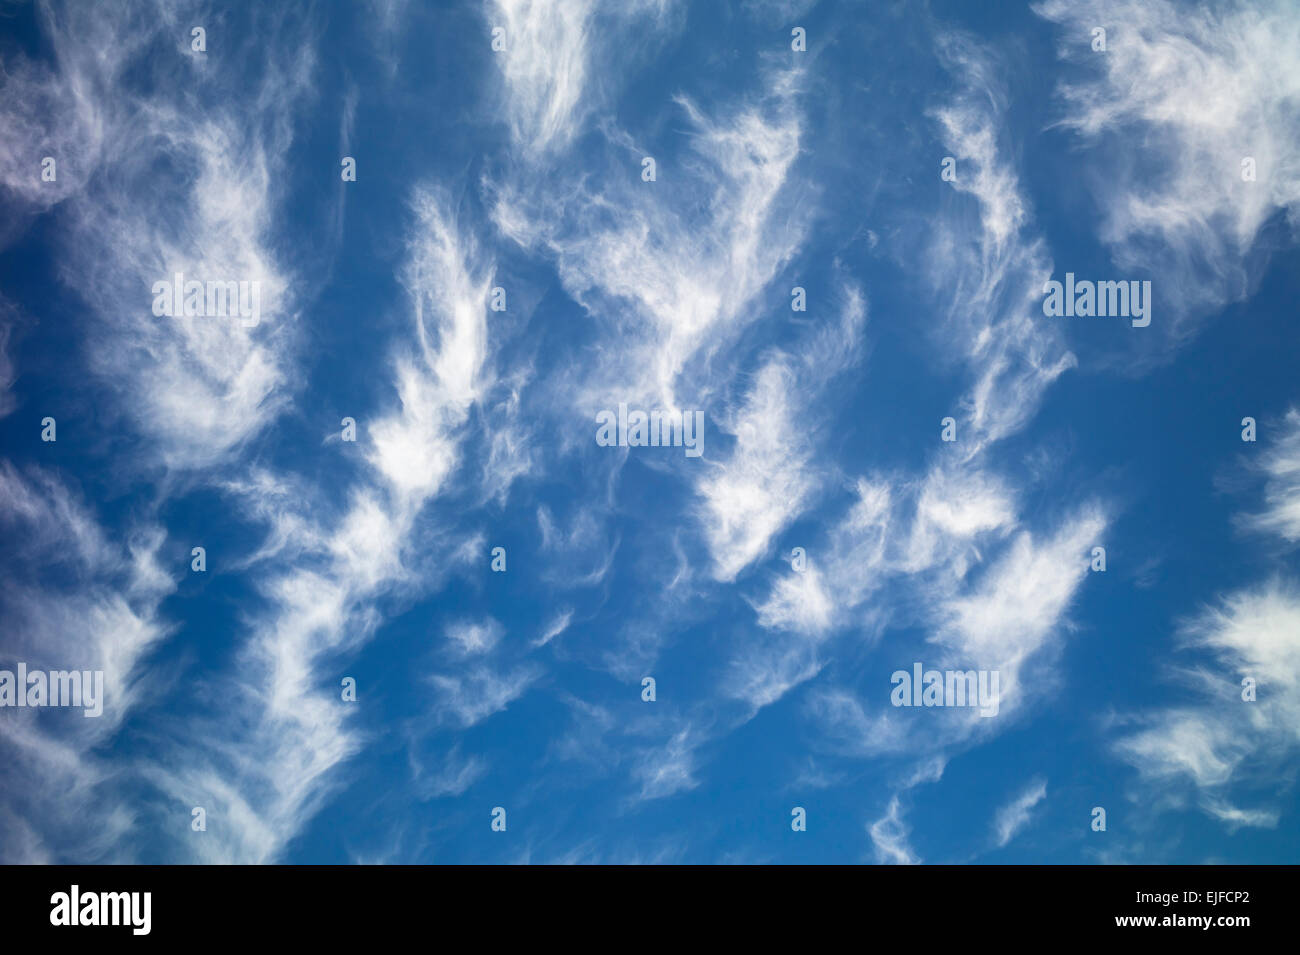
column 889, row 836
column 1209, row 745
column 1009, row 614
column 73, row 598
column 764, row 484
column 471, row 697
column 558, row 59
column 767, row 479
column 584, row 549
column 470, row 637
column 1013, row 615
column 1015, row 815
column 109, row 617
column 992, row 276
column 453, row 776
column 1202, row 87
column 667, row 284
column 1280, row 465
column 559, row 623
column 668, row 768
column 948, row 549
column 1249, row 633
column 325, row 604
column 195, row 387
column 544, row 65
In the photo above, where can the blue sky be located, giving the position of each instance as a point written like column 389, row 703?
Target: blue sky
column 522, row 169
